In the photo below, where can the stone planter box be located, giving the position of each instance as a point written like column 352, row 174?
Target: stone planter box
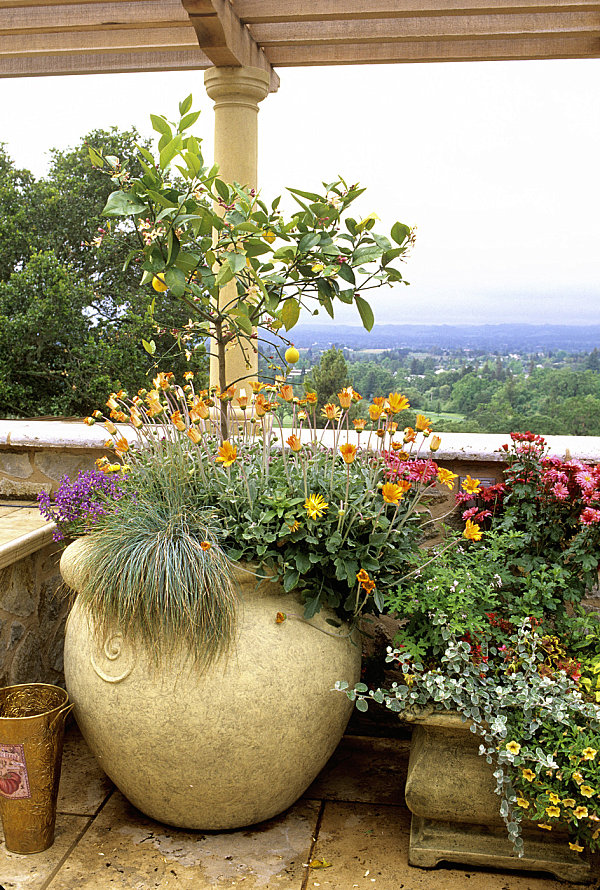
column 455, row 810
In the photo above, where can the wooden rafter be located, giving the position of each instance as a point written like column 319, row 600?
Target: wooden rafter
column 224, row 39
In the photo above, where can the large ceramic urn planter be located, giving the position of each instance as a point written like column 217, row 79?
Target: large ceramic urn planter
column 222, row 747
column 455, row 810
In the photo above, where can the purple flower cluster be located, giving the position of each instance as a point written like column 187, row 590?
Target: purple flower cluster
column 79, row 504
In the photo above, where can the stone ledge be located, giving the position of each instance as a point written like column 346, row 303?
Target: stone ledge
column 49, row 434
column 25, row 544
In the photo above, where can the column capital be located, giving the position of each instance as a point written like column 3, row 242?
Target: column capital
column 237, row 86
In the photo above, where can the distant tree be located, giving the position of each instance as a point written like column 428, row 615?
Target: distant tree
column 328, row 377
column 593, row 360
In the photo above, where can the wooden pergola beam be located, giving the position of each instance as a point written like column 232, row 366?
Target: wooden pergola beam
column 103, row 63
column 427, row 28
column 71, row 16
column 253, row 12
column 225, row 40
column 551, row 46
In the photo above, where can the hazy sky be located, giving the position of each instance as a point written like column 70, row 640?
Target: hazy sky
column 497, row 164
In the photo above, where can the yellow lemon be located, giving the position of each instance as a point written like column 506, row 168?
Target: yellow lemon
column 159, row 285
column 291, row 355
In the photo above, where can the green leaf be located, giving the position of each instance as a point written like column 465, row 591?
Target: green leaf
column 346, row 272
column 222, row 189
column 175, row 280
column 173, row 247
column 365, row 312
column 160, row 125
column 390, row 255
column 308, row 241
column 244, row 323
column 185, row 105
column 192, row 162
column 188, row 121
column 171, row 149
column 236, row 261
column 95, row 157
column 400, row 232
column 224, row 275
column 289, row 313
column 366, row 254
column 310, row 195
column 150, row 347
column 312, row 606
column 361, row 705
column 290, row 581
column 145, row 153
column 123, row 204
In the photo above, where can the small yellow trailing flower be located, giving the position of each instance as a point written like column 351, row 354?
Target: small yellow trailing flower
column 580, row 812
column 577, row 777
column 544, row 825
column 553, row 798
column 586, row 791
column 521, row 802
column 553, row 811
column 513, row 747
column 472, row 486
column 316, row 506
column 227, row 453
column 528, row 774
column 472, row 531
column 575, row 847
column 589, row 753
column 568, row 802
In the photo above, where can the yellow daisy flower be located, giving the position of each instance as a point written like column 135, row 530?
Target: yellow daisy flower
column 315, row 506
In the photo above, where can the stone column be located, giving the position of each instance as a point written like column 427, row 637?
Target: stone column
column 236, row 93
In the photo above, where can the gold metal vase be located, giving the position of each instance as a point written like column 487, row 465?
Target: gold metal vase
column 32, row 721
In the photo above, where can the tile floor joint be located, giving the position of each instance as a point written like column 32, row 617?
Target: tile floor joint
column 315, row 838
column 80, row 836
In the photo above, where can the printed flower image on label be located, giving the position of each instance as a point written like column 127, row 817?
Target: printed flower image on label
column 14, row 781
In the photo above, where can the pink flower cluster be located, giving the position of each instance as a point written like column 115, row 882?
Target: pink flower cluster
column 574, row 480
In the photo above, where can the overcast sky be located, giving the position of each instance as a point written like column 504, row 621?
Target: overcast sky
column 497, row 164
